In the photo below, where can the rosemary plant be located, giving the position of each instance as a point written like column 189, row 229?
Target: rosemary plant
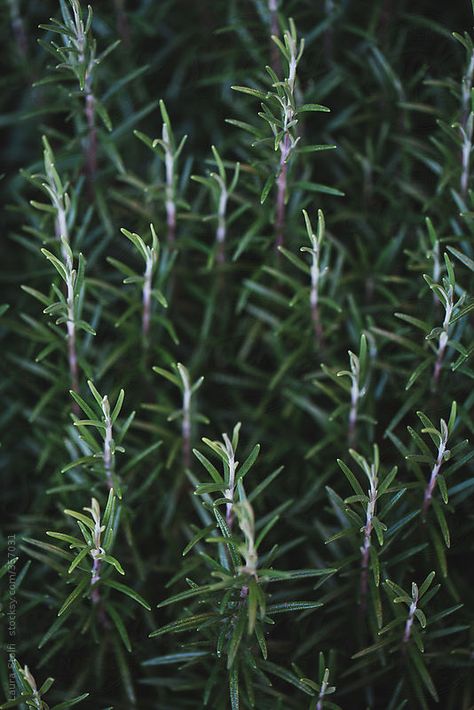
column 304, row 267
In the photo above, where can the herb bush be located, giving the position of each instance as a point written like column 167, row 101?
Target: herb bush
column 236, row 340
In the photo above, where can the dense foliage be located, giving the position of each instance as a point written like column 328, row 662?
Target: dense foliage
column 236, row 354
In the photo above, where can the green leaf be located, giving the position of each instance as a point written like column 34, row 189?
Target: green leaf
column 236, row 638
column 119, row 625
column 269, row 182
column 73, row 597
column 234, row 688
column 313, row 107
column 248, row 463
column 58, row 265
column 422, row 671
column 186, row 624
column 204, row 488
column 252, row 92
column 442, row 522
column 351, row 478
column 78, row 559
column 124, row 589
column 194, row 592
column 463, row 258
column 284, row 607
column 211, row 469
column 426, row 584
column 70, row 703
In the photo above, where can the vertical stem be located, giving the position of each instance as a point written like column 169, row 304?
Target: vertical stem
column 123, row 28
column 433, row 478
column 328, row 36
column 221, row 223
column 95, row 579
column 466, row 127
column 61, row 229
column 89, row 98
column 322, row 693
column 314, row 300
column 439, row 362
column 365, row 549
column 63, row 233
column 18, row 28
column 108, row 442
column 281, row 192
column 353, row 410
column 436, row 269
column 91, row 150
column 71, row 337
column 411, row 617
column 147, row 300
column 186, row 426
column 170, row 191
column 60, row 202
column 229, row 493
column 274, row 32
column 443, row 339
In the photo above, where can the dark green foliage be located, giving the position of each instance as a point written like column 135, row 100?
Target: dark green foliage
column 257, row 212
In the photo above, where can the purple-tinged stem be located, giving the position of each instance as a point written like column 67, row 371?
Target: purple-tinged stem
column 91, row 150
column 322, row 693
column 18, row 29
column 443, row 338
column 186, row 427
column 62, row 233
column 170, row 191
column 314, row 301
column 230, row 491
column 466, row 127
column 433, row 478
column 72, row 355
column 329, row 36
column 221, row 225
column 281, row 192
column 353, row 412
column 147, row 301
column 274, row 32
column 411, row 618
column 365, row 549
column 438, row 364
column 123, row 27
column 108, row 443
column 95, row 579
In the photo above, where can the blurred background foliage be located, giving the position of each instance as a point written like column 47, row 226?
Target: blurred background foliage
column 395, row 189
